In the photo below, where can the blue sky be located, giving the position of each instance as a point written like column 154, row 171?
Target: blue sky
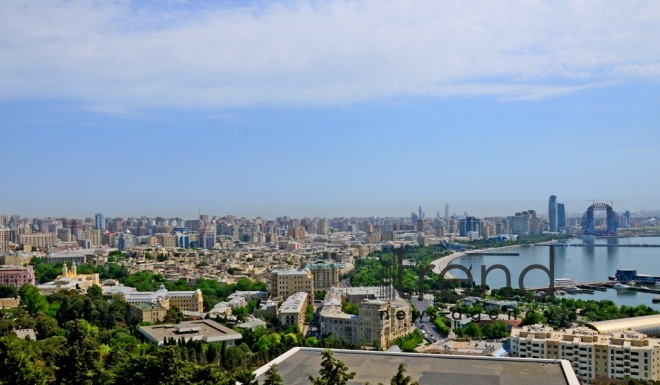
column 327, row 108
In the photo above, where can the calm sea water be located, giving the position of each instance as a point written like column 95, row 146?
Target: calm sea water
column 584, row 264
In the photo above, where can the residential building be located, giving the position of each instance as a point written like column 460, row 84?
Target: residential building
column 4, row 240
column 591, row 354
column 326, row 275
column 469, row 224
column 286, row 282
column 16, row 276
column 38, row 240
column 293, row 310
column 378, row 323
column 166, row 240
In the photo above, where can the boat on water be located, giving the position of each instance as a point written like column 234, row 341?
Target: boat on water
column 657, row 283
column 565, row 281
column 573, row 289
column 620, row 286
column 656, row 299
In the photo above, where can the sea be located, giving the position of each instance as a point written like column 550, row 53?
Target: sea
column 589, row 263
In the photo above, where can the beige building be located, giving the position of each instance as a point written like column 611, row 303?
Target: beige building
column 147, row 312
column 94, row 237
column 69, row 280
column 326, row 275
column 166, row 240
column 184, row 300
column 4, row 241
column 39, row 240
column 9, row 303
column 298, row 233
column 294, row 310
column 617, row 355
column 286, row 282
column 378, row 323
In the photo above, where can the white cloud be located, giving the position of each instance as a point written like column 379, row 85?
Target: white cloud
column 124, row 55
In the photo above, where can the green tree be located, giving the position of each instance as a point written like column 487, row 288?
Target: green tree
column 246, row 377
column 272, row 377
column 332, row 372
column 8, row 291
column 400, row 377
column 33, row 300
column 81, row 362
column 19, row 363
column 174, row 315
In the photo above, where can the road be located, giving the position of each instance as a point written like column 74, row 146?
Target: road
column 425, row 323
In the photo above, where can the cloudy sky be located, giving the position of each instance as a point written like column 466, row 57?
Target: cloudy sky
column 324, row 108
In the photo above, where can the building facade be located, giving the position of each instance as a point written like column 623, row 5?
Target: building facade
column 326, row 275
column 378, row 322
column 618, row 355
column 16, row 276
column 286, row 282
column 553, row 213
column 294, row 310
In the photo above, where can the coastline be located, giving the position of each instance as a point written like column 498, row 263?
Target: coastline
column 442, row 263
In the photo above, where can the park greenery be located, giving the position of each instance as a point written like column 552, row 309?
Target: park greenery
column 85, row 339
column 521, row 240
column 409, row 342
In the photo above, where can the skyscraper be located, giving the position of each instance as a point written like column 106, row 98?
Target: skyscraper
column 552, row 213
column 561, row 215
column 100, row 222
column 446, row 210
column 421, row 215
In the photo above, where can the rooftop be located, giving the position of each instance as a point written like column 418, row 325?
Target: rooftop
column 204, row 330
column 427, row 369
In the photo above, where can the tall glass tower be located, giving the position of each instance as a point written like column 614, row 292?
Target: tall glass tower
column 553, row 213
column 100, row 222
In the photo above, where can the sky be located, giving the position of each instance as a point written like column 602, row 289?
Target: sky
column 327, row 108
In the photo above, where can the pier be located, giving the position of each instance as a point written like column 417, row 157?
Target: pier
column 488, row 253
column 596, row 245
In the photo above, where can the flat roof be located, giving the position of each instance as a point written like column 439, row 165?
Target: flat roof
column 204, row 330
column 427, row 369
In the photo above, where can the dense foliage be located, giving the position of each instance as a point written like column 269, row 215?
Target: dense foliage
column 410, row 342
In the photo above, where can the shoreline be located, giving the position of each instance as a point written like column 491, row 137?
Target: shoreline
column 441, row 263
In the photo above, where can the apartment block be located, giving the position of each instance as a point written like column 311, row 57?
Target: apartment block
column 326, row 275
column 4, row 241
column 286, row 282
column 166, row 240
column 378, row 323
column 294, row 310
column 617, row 355
column 39, row 240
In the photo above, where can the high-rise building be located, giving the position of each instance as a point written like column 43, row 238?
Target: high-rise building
column 322, row 227
column 4, row 240
column 470, row 224
column 552, row 213
column 99, row 222
column 446, row 210
column 561, row 215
